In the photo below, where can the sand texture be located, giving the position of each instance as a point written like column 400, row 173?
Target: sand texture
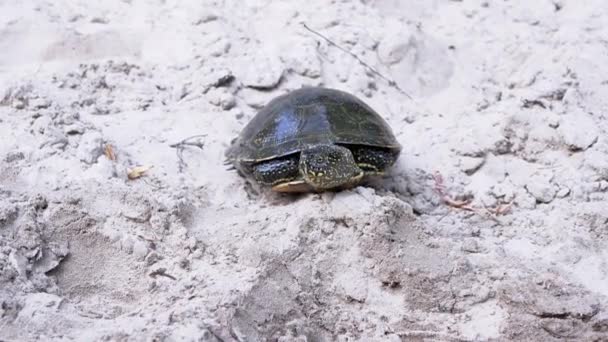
column 492, row 226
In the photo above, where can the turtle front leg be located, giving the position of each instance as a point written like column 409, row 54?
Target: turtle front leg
column 373, row 160
column 277, row 171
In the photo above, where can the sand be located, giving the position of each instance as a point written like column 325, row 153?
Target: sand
column 507, row 114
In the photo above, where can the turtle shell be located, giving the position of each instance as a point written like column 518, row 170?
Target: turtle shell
column 306, row 117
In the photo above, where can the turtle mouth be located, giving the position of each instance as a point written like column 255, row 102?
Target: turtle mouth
column 315, row 175
column 319, row 182
column 331, row 179
column 322, row 174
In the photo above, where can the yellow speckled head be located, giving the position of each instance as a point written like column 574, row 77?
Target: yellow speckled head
column 329, row 166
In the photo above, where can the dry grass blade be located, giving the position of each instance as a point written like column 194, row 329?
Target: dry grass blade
column 137, row 172
column 108, row 151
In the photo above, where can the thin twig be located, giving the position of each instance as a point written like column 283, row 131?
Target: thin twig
column 391, row 83
column 500, row 209
column 161, row 272
column 187, row 142
column 180, row 146
column 155, row 186
column 428, row 334
column 493, row 212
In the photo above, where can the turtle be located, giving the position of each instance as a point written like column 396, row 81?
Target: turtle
column 313, row 139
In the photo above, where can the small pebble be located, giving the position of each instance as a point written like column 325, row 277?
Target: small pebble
column 90, row 147
column 140, row 249
column 542, row 190
column 39, row 103
column 470, row 246
column 578, row 131
column 563, row 192
column 470, row 165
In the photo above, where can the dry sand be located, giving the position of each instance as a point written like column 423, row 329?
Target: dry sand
column 509, row 110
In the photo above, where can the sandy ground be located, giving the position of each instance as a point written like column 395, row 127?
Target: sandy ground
column 509, row 111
